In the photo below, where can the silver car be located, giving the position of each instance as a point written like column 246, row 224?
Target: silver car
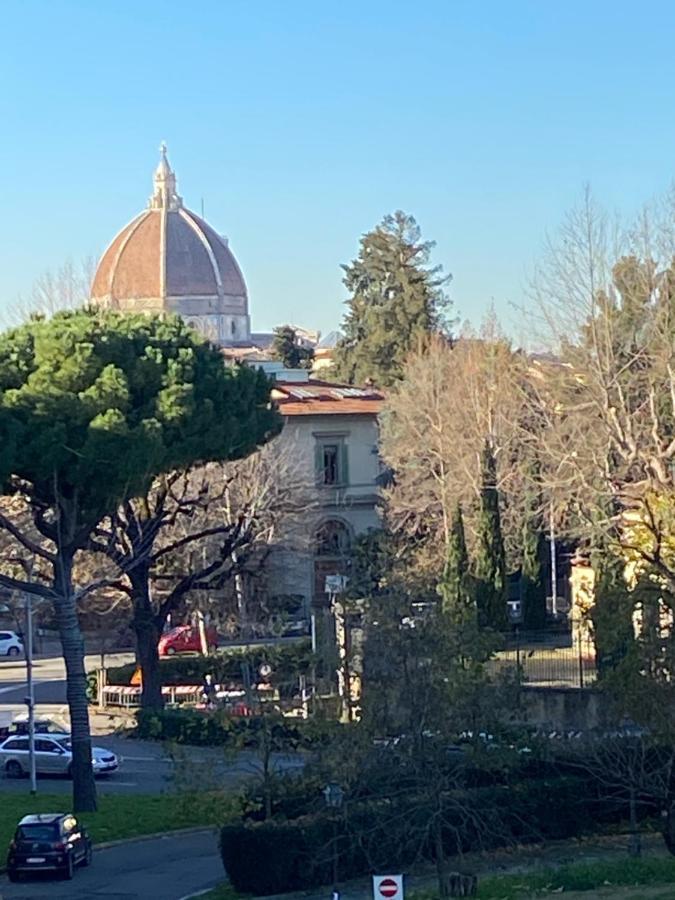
column 53, row 756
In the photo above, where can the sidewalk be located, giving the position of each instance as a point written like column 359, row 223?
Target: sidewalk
column 518, row 859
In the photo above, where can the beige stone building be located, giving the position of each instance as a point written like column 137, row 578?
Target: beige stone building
column 332, row 433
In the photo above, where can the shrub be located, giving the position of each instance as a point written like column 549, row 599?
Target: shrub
column 186, row 726
column 275, row 856
column 269, row 857
column 219, row 728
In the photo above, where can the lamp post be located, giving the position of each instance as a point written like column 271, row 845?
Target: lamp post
column 334, row 795
column 30, row 699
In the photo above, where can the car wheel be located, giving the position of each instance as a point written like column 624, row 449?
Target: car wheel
column 13, row 875
column 13, row 769
column 86, row 861
column 68, row 868
column 69, row 772
column 13, row 651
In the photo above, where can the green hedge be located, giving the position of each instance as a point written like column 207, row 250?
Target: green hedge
column 220, row 729
column 389, row 834
column 288, row 662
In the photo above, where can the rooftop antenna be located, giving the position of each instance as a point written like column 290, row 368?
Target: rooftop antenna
column 202, row 207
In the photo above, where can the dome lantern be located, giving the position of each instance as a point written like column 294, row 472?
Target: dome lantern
column 165, row 194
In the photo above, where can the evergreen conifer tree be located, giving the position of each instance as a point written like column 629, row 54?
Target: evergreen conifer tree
column 611, row 613
column 287, row 349
column 396, row 300
column 533, row 586
column 490, row 562
column 455, row 588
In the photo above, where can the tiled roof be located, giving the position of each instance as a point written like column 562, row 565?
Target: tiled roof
column 167, row 253
column 313, row 398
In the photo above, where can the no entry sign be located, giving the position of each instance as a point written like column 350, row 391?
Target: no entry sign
column 388, row 887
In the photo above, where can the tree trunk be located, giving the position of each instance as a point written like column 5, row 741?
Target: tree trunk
column 441, row 868
column 147, row 631
column 72, row 644
column 669, row 828
column 635, row 842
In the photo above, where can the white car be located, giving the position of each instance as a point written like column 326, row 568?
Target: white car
column 10, row 644
column 53, row 756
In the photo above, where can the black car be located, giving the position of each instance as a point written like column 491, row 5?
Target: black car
column 54, row 842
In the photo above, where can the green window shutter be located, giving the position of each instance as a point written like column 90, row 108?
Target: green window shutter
column 344, row 464
column 318, row 462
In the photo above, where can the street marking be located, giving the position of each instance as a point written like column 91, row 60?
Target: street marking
column 152, row 759
column 14, row 687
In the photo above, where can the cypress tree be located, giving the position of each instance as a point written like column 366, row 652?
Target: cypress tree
column 533, row 586
column 396, row 299
column 490, row 563
column 611, row 613
column 455, row 588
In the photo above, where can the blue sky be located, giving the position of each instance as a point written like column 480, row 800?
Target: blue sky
column 301, row 124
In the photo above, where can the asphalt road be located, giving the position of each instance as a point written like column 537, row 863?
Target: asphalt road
column 145, row 767
column 167, row 868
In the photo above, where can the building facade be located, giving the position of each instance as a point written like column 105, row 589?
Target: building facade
column 332, row 435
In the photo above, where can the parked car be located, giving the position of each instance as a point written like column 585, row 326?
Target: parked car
column 53, row 756
column 11, row 644
column 185, row 639
column 48, row 842
column 43, row 725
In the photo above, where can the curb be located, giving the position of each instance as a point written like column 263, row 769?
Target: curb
column 199, row 893
column 178, row 832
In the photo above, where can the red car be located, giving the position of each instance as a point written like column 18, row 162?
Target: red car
column 185, row 639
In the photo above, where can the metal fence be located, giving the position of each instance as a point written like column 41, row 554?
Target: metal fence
column 548, row 660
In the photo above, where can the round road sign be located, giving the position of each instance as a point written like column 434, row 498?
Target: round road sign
column 388, row 887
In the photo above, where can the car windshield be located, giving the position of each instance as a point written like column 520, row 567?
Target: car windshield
column 38, row 832
column 63, row 742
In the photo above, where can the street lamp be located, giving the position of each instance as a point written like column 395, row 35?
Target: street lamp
column 334, row 795
column 30, row 699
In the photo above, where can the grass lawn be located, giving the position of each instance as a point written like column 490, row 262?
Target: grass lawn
column 647, row 879
column 603, row 879
column 223, row 892
column 121, row 816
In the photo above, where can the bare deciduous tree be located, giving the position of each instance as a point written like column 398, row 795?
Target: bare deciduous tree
column 435, row 426
column 65, row 287
column 606, row 301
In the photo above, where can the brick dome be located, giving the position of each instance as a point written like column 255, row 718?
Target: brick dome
column 168, row 259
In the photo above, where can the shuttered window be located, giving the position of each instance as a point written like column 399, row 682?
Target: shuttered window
column 332, row 463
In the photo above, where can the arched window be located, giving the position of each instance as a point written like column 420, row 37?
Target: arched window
column 233, row 327
column 332, row 546
column 333, row 539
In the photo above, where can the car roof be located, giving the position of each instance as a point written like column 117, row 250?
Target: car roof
column 23, row 717
column 43, row 819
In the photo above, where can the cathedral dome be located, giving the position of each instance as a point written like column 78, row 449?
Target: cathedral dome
column 168, row 259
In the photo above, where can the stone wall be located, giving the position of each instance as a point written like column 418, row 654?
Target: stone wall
column 564, row 709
